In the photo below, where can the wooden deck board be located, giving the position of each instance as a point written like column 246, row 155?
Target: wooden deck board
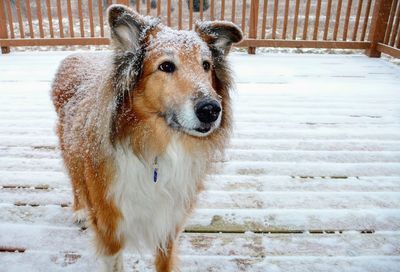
column 217, row 244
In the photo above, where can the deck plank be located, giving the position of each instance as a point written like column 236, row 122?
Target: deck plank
column 234, row 220
column 217, row 244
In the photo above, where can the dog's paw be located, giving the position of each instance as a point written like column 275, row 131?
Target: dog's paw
column 81, row 219
column 113, row 263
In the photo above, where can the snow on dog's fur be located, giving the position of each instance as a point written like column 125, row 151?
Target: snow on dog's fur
column 161, row 98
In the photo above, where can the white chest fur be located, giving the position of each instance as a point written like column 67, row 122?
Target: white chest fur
column 152, row 211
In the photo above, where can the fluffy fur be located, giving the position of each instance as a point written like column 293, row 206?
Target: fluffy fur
column 120, row 111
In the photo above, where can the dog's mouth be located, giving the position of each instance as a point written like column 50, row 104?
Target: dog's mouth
column 204, row 128
column 200, row 130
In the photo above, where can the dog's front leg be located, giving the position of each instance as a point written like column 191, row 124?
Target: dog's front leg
column 165, row 260
column 114, row 263
column 105, row 217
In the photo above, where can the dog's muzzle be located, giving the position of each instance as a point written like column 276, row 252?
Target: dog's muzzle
column 197, row 118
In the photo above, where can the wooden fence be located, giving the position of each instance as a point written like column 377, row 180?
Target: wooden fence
column 372, row 25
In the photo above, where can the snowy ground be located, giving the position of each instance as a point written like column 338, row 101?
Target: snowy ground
column 311, row 181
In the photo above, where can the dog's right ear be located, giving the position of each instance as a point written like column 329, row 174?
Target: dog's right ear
column 127, row 27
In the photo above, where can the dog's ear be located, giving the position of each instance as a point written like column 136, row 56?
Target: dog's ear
column 219, row 34
column 127, row 27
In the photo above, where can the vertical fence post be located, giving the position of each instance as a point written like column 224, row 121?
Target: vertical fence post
column 253, row 23
column 378, row 26
column 123, row 2
column 3, row 27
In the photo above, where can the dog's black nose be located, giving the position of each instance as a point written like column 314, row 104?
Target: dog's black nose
column 208, row 111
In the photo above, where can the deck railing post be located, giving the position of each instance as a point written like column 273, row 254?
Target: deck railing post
column 3, row 27
column 253, row 23
column 378, row 26
column 123, row 2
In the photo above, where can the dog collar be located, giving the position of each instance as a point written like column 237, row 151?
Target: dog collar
column 155, row 169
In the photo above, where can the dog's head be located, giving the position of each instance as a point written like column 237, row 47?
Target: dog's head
column 180, row 77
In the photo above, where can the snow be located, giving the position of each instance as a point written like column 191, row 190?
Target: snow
column 171, row 41
column 314, row 162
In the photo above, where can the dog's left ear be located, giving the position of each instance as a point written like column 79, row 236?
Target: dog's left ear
column 219, row 34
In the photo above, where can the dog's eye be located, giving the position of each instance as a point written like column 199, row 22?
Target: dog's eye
column 167, row 67
column 206, row 66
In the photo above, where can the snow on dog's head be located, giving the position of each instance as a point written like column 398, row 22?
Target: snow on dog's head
column 179, row 77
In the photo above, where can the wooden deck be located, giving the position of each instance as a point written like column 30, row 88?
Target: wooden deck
column 311, row 181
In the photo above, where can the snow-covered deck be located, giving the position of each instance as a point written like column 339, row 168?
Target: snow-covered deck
column 311, row 181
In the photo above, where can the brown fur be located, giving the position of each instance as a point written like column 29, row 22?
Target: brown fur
column 98, row 106
column 165, row 261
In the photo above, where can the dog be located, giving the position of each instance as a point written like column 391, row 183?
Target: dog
column 138, row 129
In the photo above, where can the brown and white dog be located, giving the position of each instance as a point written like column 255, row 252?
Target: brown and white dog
column 138, row 128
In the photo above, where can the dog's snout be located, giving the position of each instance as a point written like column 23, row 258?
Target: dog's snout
column 208, row 111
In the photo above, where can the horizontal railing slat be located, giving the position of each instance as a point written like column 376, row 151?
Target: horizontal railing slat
column 244, row 43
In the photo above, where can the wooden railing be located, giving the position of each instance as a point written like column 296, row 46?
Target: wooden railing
column 372, row 25
column 385, row 30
